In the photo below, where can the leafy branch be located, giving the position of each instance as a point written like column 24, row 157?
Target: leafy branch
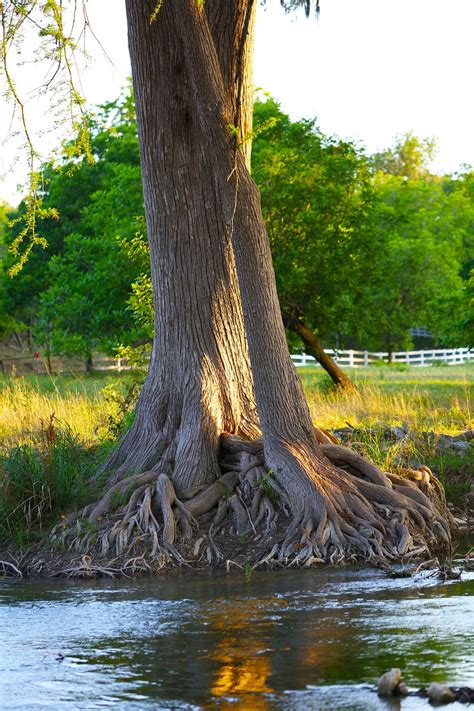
column 48, row 20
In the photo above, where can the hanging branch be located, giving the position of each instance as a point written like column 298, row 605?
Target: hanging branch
column 59, row 44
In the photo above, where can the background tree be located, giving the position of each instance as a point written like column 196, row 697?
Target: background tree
column 423, row 224
column 5, row 209
column 85, row 306
column 409, row 157
column 327, row 216
column 7, row 322
column 317, row 197
column 73, row 295
column 459, row 322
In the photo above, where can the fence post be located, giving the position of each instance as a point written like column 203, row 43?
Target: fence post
column 303, row 359
column 422, row 358
column 407, row 357
column 366, row 358
column 351, row 358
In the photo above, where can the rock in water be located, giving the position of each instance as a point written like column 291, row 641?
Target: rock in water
column 388, row 682
column 439, row 694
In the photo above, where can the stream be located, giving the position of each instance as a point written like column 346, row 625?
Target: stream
column 312, row 639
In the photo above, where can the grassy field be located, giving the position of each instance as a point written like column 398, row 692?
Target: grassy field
column 55, row 431
column 432, row 398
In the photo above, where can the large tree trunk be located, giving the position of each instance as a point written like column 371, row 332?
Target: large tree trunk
column 219, row 340
column 232, row 26
column 313, row 347
column 199, row 382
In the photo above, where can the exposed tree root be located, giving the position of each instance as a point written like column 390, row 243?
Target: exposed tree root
column 345, row 510
column 8, row 568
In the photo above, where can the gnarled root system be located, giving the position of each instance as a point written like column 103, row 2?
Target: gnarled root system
column 340, row 508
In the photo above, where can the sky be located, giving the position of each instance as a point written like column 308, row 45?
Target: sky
column 369, row 70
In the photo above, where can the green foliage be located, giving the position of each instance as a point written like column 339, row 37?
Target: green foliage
column 455, row 473
column 51, row 21
column 120, row 399
column 74, row 295
column 38, row 481
column 84, row 307
column 5, row 210
column 8, row 323
column 140, row 302
column 419, row 261
column 364, row 249
column 33, row 212
column 467, row 323
column 409, row 157
column 316, row 198
column 267, row 488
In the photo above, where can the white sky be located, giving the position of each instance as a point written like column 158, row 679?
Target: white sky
column 368, row 69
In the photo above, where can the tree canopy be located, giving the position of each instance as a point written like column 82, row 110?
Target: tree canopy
column 348, row 233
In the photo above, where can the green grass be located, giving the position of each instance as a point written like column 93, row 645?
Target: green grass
column 55, row 430
column 89, row 406
column 431, row 398
column 455, row 473
column 52, row 475
column 54, row 433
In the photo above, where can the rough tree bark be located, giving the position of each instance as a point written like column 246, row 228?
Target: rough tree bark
column 295, row 323
column 219, row 338
column 199, row 381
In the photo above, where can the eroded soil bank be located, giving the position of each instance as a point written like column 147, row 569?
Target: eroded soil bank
column 243, row 539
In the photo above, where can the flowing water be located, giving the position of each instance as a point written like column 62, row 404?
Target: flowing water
column 313, row 639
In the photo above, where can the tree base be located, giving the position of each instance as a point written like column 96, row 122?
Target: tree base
column 248, row 519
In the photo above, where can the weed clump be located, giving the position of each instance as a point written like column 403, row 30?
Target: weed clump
column 42, row 478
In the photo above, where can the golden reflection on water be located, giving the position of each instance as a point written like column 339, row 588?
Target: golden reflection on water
column 241, row 653
column 322, row 649
column 246, row 642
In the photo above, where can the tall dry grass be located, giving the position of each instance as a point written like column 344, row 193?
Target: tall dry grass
column 24, row 409
column 55, row 431
column 417, row 408
column 53, row 437
column 437, row 399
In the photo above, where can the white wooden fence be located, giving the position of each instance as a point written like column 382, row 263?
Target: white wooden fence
column 355, row 359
